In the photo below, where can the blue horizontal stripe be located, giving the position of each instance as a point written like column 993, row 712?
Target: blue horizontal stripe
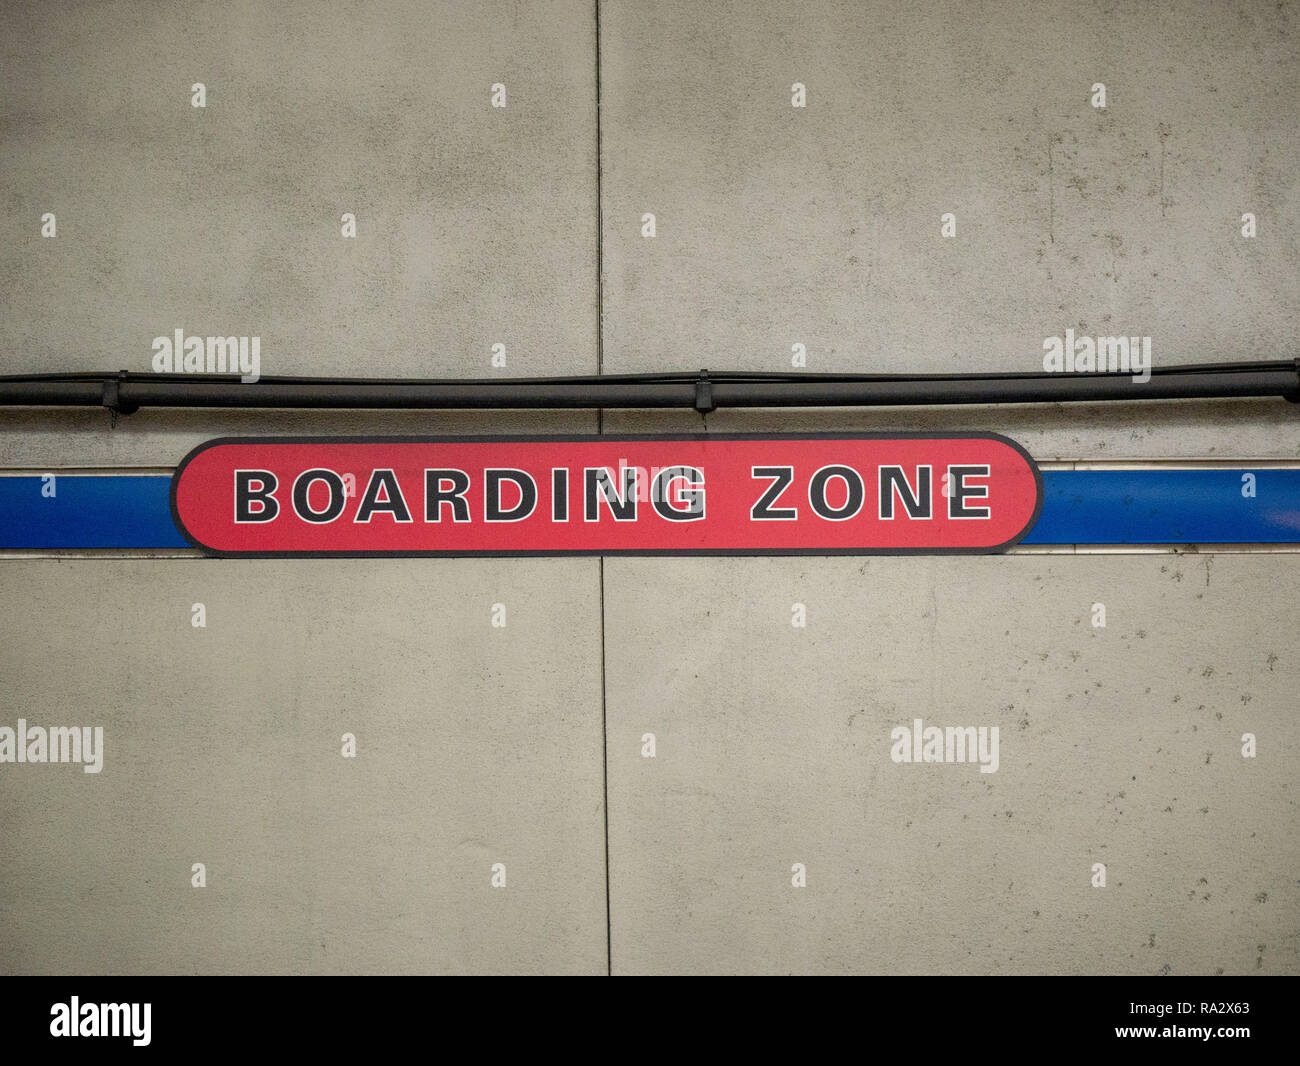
column 88, row 511
column 1173, row 506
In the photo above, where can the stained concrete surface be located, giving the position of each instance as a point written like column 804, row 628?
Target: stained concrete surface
column 475, row 745
column 475, row 225
column 779, row 225
column 1118, row 745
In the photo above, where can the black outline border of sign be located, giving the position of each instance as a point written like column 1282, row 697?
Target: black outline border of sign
column 591, row 438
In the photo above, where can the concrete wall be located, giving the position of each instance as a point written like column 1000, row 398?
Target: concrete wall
column 518, row 745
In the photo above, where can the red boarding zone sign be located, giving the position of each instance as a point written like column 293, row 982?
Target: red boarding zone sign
column 708, row 494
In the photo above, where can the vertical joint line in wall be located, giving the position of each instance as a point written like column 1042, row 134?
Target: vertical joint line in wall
column 604, row 730
column 1051, row 193
column 600, row 428
column 600, row 236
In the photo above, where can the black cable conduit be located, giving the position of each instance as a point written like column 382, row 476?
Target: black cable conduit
column 125, row 392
